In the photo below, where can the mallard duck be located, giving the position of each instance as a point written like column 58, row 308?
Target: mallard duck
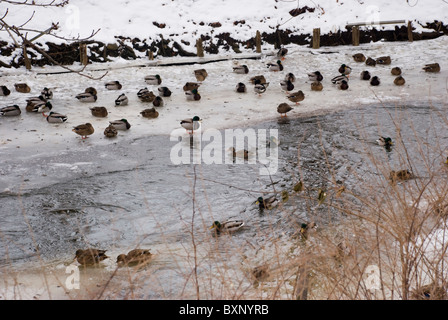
column 134, row 257
column 370, row 62
column 240, row 154
column 338, row 79
column 164, row 92
column 277, row 66
column 261, row 272
column 110, row 131
column 122, row 100
column 306, row 228
column 84, row 130
column 432, row 67
column 45, row 107
column 359, row 57
column 281, row 53
column 189, row 86
column 260, row 88
column 396, row 71
column 121, row 124
column 431, row 291
column 151, row 113
column 10, row 111
column 145, row 95
column 22, row 87
column 345, row 70
column 153, row 79
column 400, row 175
column 191, row 124
column 200, row 74
column 316, row 86
column 287, row 85
column 91, row 90
column 385, row 141
column 241, row 87
column 296, row 97
column 315, row 76
column 47, row 93
column 365, row 75
column 243, row 69
column 342, row 85
column 231, row 225
column 290, row 77
column 100, row 112
column 113, row 85
column 90, row 256
column 283, row 108
column 258, row 80
column 384, row 60
column 54, row 117
column 158, row 102
column 375, row 81
column 4, row 91
column 399, row 81
column 86, row 97
column 272, row 142
column 193, row 95
column 268, row 203
column 34, row 103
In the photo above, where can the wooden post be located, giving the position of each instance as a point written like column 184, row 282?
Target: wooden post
column 199, row 48
column 27, row 60
column 258, row 42
column 410, row 35
column 355, row 35
column 316, row 38
column 83, row 54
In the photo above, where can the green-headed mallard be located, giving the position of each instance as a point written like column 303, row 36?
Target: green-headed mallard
column 121, row 124
column 306, row 228
column 283, row 108
column 151, row 113
column 90, row 256
column 45, row 107
column 281, row 53
column 243, row 69
column 338, row 79
column 10, row 111
column 260, row 79
column 22, row 87
column 86, row 97
column 100, row 112
column 189, row 86
column 287, row 85
column 395, row 71
column 290, row 77
column 384, row 60
column 277, row 66
column 84, row 130
column 191, row 124
column 296, row 97
column 193, row 95
column 230, row 225
column 371, row 62
column 400, row 175
column 110, row 131
column 122, row 100
column 135, row 257
column 200, row 74
column 158, row 102
column 399, row 81
column 315, row 76
column 153, row 79
column 342, row 85
column 385, row 141
column 316, row 86
column 375, row 81
column 47, row 93
column 145, row 95
column 365, row 75
column 113, row 85
column 4, row 91
column 272, row 142
column 54, row 117
column 268, row 203
column 345, row 70
column 432, row 67
column 240, row 87
column 260, row 88
column 359, row 57
column 164, row 92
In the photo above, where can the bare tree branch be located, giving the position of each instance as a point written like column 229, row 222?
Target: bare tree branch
column 52, row 3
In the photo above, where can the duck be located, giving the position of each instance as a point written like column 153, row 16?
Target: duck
column 122, row 100
column 54, row 117
column 375, row 81
column 290, row 77
column 240, row 154
column 268, row 203
column 315, row 76
column 399, row 81
column 47, row 93
column 260, row 79
column 281, row 53
column 384, row 141
column 345, row 70
column 86, row 97
column 4, row 91
column 240, row 87
column 91, row 90
column 121, row 124
column 243, row 69
column 371, row 62
column 306, row 228
column 277, row 66
column 145, row 95
column 191, row 124
column 400, row 175
column 158, row 102
column 90, row 256
column 432, row 67
column 287, row 85
column 261, row 272
column 342, row 85
column 34, row 103
column 321, row 196
column 296, row 97
column 189, row 86
column 193, row 95
column 386, row 60
column 230, row 225
column 110, row 131
column 338, row 79
column 164, row 92
column 153, row 79
column 22, row 87
column 283, row 108
column 10, row 111
column 44, row 107
column 151, row 113
column 84, row 130
column 260, row 88
column 396, row 71
column 100, row 112
column 113, row 85
column 134, row 257
column 365, row 75
column 273, row 142
column 359, row 57
column 316, row 86
column 200, row 74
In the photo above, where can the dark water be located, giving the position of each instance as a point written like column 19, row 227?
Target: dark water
column 124, row 194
